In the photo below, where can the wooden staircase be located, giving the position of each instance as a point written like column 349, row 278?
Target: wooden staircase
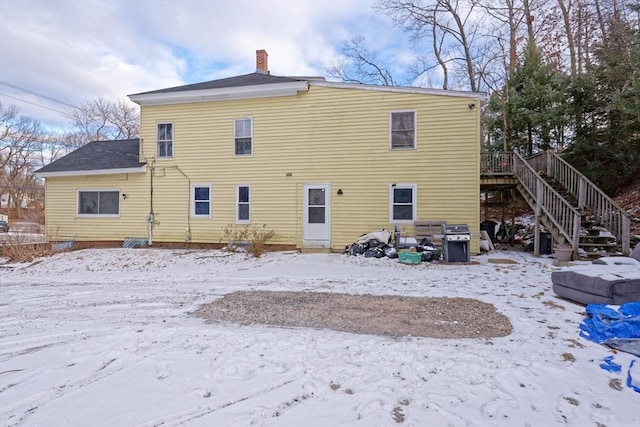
column 576, row 212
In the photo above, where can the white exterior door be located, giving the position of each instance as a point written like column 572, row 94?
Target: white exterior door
column 316, row 201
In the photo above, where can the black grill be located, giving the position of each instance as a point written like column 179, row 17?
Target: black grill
column 456, row 242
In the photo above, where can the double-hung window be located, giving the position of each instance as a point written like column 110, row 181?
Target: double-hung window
column 243, row 136
column 402, row 130
column 165, row 140
column 402, row 203
column 243, row 206
column 99, row 202
column 201, row 200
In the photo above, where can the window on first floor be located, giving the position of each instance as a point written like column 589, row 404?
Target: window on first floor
column 201, row 200
column 243, row 215
column 99, row 202
column 402, row 132
column 165, row 139
column 402, row 203
column 243, row 136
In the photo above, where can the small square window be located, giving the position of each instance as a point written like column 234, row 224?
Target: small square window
column 403, row 130
column 402, row 203
column 201, row 200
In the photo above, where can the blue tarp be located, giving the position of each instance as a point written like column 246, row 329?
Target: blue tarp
column 619, row 328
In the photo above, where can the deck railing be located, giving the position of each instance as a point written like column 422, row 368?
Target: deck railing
column 591, row 199
column 564, row 217
column 498, row 163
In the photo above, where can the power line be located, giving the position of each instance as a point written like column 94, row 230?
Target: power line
column 36, row 94
column 33, row 103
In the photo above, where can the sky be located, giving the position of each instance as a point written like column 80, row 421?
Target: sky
column 56, row 54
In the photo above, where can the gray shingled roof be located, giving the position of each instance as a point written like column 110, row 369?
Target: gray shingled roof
column 244, row 80
column 98, row 155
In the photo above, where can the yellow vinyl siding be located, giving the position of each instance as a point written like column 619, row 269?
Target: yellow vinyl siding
column 326, row 135
column 63, row 222
column 329, row 135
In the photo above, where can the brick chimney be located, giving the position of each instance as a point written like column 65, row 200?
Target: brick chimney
column 262, row 65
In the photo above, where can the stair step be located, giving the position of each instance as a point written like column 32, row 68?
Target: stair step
column 598, row 245
column 604, row 239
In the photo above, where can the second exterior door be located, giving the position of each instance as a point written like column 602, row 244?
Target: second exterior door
column 317, row 216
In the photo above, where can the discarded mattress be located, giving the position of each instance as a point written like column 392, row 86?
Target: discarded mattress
column 598, row 284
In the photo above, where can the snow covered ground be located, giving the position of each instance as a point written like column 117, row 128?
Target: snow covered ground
column 105, row 338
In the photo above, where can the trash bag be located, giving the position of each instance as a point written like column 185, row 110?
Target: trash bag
column 375, row 252
column 373, row 243
column 430, row 255
column 429, row 251
column 425, row 242
column 391, row 252
column 356, row 249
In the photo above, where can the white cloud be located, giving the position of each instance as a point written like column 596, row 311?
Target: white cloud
column 78, row 50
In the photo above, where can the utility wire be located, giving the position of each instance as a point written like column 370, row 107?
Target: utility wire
column 33, row 103
column 36, row 94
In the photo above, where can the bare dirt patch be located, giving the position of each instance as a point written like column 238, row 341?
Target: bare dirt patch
column 361, row 314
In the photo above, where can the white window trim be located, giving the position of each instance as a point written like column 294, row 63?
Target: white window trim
column 414, row 188
column 87, row 190
column 192, row 201
column 242, row 221
column 415, row 130
column 173, row 141
column 234, row 136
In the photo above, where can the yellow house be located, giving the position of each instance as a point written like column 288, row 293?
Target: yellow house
column 317, row 162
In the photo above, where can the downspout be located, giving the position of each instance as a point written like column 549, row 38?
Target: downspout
column 150, row 217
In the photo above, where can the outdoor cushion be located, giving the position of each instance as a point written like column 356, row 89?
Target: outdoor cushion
column 616, row 260
column 598, row 284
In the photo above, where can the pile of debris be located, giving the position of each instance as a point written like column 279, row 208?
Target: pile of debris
column 378, row 244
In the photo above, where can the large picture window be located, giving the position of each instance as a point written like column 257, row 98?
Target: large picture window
column 402, row 132
column 165, row 139
column 402, row 203
column 201, row 200
column 243, row 136
column 243, row 212
column 99, row 202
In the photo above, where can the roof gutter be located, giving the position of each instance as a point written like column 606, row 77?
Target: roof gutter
column 480, row 96
column 140, row 169
column 221, row 94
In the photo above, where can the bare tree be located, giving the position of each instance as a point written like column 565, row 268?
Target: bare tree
column 450, row 26
column 19, row 139
column 360, row 65
column 101, row 119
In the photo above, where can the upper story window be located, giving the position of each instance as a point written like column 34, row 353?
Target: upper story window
column 402, row 203
column 243, row 209
column 165, row 139
column 402, row 132
column 243, row 136
column 201, row 200
column 99, row 202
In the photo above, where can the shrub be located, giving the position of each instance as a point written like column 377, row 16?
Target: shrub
column 253, row 237
column 17, row 247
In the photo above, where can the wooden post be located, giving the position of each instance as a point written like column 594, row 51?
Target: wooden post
column 536, row 234
column 626, row 235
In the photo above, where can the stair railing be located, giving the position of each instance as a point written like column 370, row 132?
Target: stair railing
column 564, row 217
column 605, row 211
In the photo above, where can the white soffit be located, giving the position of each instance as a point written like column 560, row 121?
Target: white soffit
column 221, row 94
column 140, row 169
